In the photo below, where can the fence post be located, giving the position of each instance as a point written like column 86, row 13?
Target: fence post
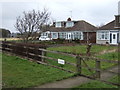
column 79, row 68
column 43, row 54
column 88, row 49
column 98, row 69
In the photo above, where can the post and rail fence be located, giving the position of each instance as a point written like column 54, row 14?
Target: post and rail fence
column 38, row 52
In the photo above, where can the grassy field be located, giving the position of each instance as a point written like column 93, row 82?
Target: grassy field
column 78, row 49
column 98, row 84
column 20, row 73
column 10, row 39
column 82, row 49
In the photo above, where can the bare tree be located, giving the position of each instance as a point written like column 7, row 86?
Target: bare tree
column 31, row 23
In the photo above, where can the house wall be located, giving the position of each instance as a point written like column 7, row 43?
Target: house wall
column 101, row 41
column 109, row 39
column 86, row 37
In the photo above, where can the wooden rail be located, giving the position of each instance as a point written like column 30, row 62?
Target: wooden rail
column 38, row 54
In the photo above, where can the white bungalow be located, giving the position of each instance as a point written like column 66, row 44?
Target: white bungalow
column 71, row 30
column 109, row 33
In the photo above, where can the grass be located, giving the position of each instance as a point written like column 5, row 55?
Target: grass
column 99, row 84
column 20, row 73
column 82, row 49
column 109, row 56
column 78, row 49
column 10, row 39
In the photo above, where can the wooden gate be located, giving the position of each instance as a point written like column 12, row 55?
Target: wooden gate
column 79, row 67
column 97, row 70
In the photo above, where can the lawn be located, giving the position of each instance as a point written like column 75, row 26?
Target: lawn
column 21, row 73
column 78, row 49
column 82, row 49
column 98, row 84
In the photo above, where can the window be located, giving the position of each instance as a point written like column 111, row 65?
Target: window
column 103, row 35
column 62, row 35
column 78, row 35
column 114, row 36
column 58, row 24
column 54, row 35
column 69, row 24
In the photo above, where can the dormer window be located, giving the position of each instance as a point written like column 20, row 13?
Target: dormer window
column 69, row 24
column 58, row 24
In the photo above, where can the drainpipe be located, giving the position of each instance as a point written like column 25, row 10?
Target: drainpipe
column 87, row 37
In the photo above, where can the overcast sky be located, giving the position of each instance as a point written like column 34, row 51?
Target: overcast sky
column 96, row 12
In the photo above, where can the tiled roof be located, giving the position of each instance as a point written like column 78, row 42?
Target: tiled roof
column 78, row 26
column 108, row 26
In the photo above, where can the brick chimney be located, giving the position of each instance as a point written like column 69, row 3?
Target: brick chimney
column 69, row 19
column 117, row 21
column 117, row 17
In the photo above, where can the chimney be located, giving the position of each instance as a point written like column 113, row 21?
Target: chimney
column 117, row 21
column 119, row 8
column 117, row 17
column 69, row 19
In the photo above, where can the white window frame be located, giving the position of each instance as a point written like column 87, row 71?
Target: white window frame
column 58, row 24
column 78, row 35
column 56, row 35
column 69, row 24
column 104, row 33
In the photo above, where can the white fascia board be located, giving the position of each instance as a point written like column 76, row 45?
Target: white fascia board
column 102, row 30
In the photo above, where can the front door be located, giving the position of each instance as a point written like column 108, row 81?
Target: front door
column 68, row 35
column 114, row 38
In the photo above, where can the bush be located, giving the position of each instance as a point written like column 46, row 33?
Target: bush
column 76, row 40
column 59, row 41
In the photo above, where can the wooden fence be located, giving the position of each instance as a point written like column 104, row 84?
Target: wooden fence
column 38, row 52
column 27, row 50
column 97, row 71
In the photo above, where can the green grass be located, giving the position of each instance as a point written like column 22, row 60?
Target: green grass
column 115, row 79
column 82, row 49
column 20, row 73
column 99, row 84
column 108, row 56
column 78, row 49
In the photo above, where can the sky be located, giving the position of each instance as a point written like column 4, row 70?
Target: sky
column 96, row 12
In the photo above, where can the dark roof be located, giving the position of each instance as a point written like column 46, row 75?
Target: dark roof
column 78, row 26
column 108, row 26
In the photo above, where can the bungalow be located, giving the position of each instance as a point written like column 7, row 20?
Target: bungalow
column 109, row 33
column 71, row 30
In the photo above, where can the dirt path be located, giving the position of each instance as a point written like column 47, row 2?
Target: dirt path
column 108, row 51
column 76, row 81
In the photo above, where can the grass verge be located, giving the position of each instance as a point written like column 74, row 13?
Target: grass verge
column 21, row 73
column 99, row 84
